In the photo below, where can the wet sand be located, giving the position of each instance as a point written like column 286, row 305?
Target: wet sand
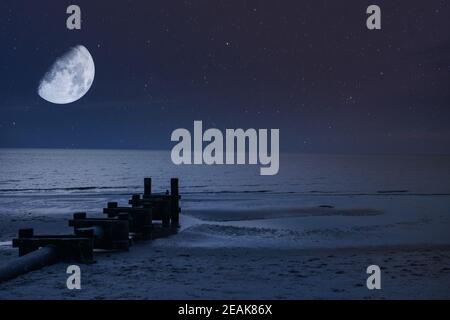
column 152, row 272
column 195, row 265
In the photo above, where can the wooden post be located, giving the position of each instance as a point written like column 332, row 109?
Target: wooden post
column 25, row 249
column 135, row 200
column 112, row 205
column 147, row 187
column 26, row 233
column 175, row 208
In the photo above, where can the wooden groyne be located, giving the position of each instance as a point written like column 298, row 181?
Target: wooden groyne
column 150, row 216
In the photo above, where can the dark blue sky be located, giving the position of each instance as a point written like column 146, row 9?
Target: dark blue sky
column 310, row 68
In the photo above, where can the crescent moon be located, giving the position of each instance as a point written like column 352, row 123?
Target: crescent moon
column 69, row 78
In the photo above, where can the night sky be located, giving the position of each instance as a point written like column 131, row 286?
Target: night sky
column 310, row 68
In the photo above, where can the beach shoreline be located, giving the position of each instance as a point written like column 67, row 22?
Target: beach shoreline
column 193, row 265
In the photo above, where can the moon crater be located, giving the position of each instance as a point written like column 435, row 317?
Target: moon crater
column 69, row 78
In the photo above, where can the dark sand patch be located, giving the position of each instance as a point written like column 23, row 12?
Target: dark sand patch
column 270, row 213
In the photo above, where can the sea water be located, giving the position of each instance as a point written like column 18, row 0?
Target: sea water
column 375, row 198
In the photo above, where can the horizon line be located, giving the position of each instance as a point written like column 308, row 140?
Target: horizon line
column 285, row 152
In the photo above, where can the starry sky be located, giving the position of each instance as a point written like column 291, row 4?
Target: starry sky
column 310, row 68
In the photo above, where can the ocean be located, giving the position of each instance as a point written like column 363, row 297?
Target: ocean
column 59, row 171
column 321, row 199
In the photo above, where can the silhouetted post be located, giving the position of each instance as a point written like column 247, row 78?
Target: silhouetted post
column 147, row 187
column 25, row 233
column 175, row 208
column 112, row 205
column 135, row 199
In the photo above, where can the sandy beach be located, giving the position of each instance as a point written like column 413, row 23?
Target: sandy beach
column 195, row 264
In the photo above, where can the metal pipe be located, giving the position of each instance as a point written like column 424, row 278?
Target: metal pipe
column 32, row 261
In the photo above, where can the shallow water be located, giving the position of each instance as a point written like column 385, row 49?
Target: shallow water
column 409, row 194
